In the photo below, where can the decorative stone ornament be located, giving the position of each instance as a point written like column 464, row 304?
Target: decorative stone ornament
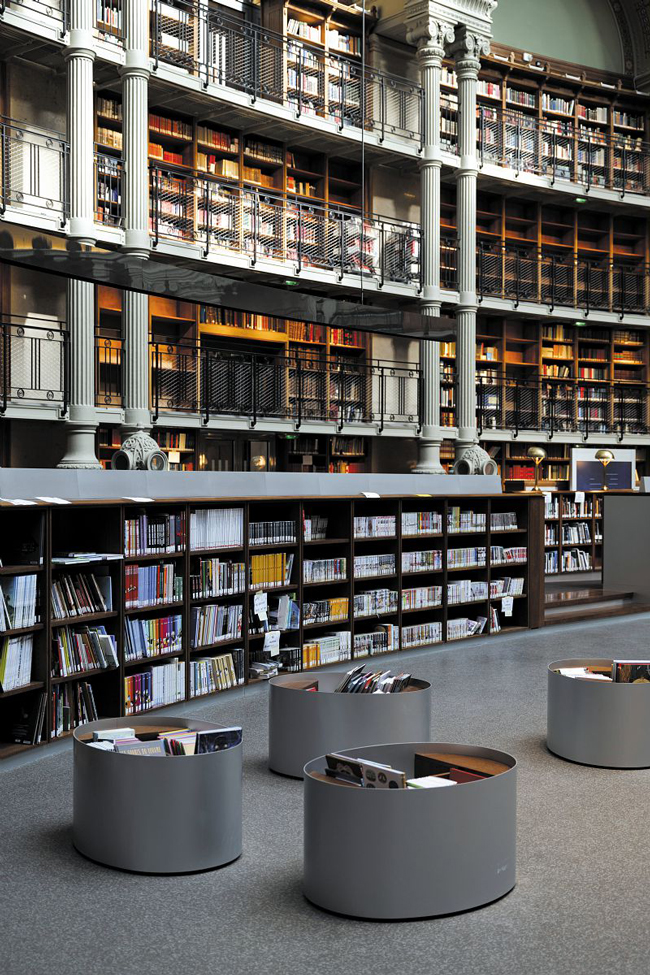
column 139, row 452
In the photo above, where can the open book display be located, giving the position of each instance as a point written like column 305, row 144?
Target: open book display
column 431, row 770
column 162, row 743
column 619, row 671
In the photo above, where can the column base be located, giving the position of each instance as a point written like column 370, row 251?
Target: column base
column 472, row 459
column 429, row 458
column 136, row 421
column 80, row 451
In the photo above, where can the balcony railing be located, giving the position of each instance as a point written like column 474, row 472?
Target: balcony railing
column 553, row 406
column 288, row 387
column 262, row 224
column 33, row 170
column 521, row 274
column 59, row 10
column 109, row 20
column 34, row 362
column 558, row 150
column 108, row 371
column 108, row 189
column 222, row 50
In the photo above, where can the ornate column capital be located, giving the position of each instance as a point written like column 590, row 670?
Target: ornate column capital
column 468, row 48
column 426, row 31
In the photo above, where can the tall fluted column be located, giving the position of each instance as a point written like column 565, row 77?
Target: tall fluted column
column 467, row 50
column 136, row 362
column 430, row 36
column 82, row 422
column 135, row 84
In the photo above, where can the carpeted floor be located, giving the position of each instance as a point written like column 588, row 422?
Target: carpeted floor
column 580, row 905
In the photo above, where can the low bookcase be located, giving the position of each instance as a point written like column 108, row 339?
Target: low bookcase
column 169, row 600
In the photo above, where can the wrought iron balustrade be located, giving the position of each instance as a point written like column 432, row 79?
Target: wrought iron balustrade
column 109, row 19
column 59, row 10
column 221, row 49
column 34, row 362
column 33, row 170
column 108, row 189
column 554, row 405
column 524, row 274
column 309, row 386
column 557, row 149
column 263, row 224
column 108, row 371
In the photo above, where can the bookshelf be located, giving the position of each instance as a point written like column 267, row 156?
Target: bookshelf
column 573, row 533
column 203, row 632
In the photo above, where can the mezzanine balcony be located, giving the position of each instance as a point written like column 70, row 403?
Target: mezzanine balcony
column 34, row 364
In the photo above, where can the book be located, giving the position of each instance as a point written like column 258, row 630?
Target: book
column 218, row 740
column 631, row 671
column 133, row 746
column 429, row 782
column 16, row 662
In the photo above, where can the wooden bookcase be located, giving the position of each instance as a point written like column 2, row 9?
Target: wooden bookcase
column 564, row 516
column 33, row 535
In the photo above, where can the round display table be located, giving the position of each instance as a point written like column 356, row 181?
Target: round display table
column 394, row 854
column 169, row 814
column 595, row 722
column 304, row 724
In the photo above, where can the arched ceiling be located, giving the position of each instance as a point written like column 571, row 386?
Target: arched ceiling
column 633, row 19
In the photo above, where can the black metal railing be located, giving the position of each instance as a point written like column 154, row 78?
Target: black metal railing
column 557, row 149
column 264, row 225
column 525, row 274
column 109, row 19
column 222, row 50
column 298, row 387
column 33, row 170
column 551, row 405
column 34, row 362
column 59, row 10
column 108, row 371
column 108, row 189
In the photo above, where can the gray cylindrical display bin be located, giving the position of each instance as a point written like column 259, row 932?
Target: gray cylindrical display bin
column 394, row 854
column 304, row 724
column 156, row 815
column 597, row 722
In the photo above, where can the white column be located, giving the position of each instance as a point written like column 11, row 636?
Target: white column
column 135, row 110
column 467, row 50
column 82, row 422
column 135, row 362
column 430, row 36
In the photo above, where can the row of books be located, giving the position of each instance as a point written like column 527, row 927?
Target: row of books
column 212, row 623
column 16, row 662
column 504, row 556
column 421, row 561
column 461, row 558
column 211, row 674
column 329, row 649
column 72, row 705
column 278, row 613
column 421, row 523
column 460, row 629
column 507, row 586
column 216, row 528
column 324, row 570
column 577, row 533
column 366, row 566
column 272, row 532
column 272, row 570
column 465, row 521
column 178, row 742
column 152, row 585
column 466, row 591
column 360, row 681
column 81, row 594
column 384, row 639
column 314, row 527
column 501, row 521
column 18, row 595
column 150, row 534
column 217, row 578
column 214, row 137
column 153, row 637
column 83, row 648
column 376, row 602
column 375, row 526
column 421, row 634
column 170, row 126
column 423, row 597
column 326, row 610
column 154, row 687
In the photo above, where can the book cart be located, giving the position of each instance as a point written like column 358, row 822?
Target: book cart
column 425, row 582
column 433, row 851
column 127, row 808
column 303, row 724
column 600, row 723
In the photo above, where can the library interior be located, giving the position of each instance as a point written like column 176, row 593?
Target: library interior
column 300, row 300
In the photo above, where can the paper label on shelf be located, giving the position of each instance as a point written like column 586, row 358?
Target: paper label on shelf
column 139, row 500
column 272, row 642
column 370, row 494
column 52, row 500
column 507, row 604
column 580, row 497
column 16, row 501
column 260, row 605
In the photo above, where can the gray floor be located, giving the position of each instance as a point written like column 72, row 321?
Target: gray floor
column 580, row 904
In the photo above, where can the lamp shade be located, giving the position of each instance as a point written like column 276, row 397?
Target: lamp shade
column 536, row 453
column 604, row 456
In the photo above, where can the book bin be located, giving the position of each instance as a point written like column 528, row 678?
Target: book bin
column 394, row 854
column 171, row 814
column 304, row 724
